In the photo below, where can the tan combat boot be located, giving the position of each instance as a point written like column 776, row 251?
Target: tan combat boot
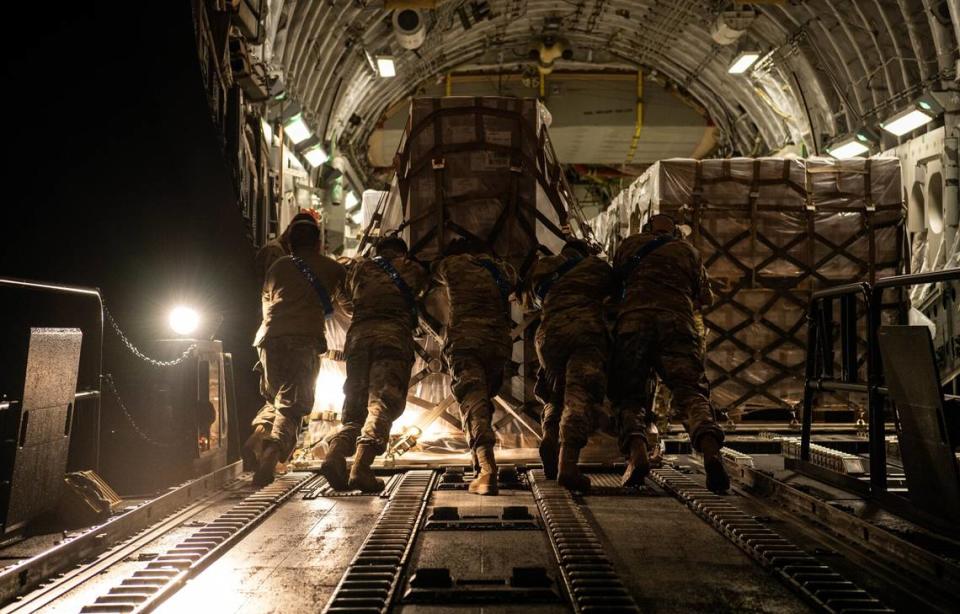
column 268, row 464
column 253, row 448
column 639, row 464
column 361, row 474
column 550, row 451
column 717, row 479
column 486, row 481
column 569, row 475
column 334, row 466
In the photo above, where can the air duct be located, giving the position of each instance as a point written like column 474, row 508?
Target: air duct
column 409, row 28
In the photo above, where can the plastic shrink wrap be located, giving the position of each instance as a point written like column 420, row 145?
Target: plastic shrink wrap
column 770, row 231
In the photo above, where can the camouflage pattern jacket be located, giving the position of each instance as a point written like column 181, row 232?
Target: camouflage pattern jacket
column 669, row 278
column 371, row 295
column 475, row 307
column 571, row 300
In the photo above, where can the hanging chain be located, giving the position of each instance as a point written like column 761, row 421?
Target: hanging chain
column 136, row 352
column 108, row 379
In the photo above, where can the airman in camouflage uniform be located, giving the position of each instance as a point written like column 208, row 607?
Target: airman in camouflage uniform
column 289, row 341
column 381, row 293
column 277, row 248
column 477, row 344
column 664, row 283
column 572, row 346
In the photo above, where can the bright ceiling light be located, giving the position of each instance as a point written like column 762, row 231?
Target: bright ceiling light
column 316, row 156
column 184, row 320
column 350, row 200
column 386, row 67
column 743, row 62
column 297, row 129
column 906, row 121
column 848, row 148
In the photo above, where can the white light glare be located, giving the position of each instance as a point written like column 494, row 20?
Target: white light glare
column 848, row 149
column 350, row 200
column 267, row 131
column 316, row 156
column 297, row 129
column 906, row 122
column 357, row 217
column 386, row 66
column 743, row 62
column 184, row 320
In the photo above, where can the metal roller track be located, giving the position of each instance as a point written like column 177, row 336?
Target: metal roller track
column 163, row 576
column 590, row 579
column 821, row 585
column 370, row 581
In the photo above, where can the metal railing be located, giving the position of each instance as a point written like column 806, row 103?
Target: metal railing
column 857, row 302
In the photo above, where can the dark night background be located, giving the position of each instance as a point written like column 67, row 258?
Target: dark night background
column 115, row 175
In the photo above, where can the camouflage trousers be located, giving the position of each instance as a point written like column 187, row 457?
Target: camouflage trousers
column 288, row 377
column 574, row 379
column 661, row 342
column 379, row 358
column 477, row 373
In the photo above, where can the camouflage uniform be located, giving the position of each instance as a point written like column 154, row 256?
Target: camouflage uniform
column 572, row 344
column 289, row 341
column 272, row 250
column 379, row 352
column 656, row 332
column 477, row 343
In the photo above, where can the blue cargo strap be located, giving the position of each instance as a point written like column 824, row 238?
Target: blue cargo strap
column 642, row 253
column 401, row 285
column 311, row 277
column 543, row 288
column 497, row 277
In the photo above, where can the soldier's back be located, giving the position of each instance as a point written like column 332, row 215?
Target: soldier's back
column 377, row 297
column 658, row 273
column 291, row 305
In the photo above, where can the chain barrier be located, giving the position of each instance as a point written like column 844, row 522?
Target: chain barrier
column 136, row 352
column 108, row 379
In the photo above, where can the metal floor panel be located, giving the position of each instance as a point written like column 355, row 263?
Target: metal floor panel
column 672, row 561
column 483, row 554
column 290, row 563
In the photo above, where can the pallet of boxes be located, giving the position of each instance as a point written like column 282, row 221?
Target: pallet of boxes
column 771, row 231
column 481, row 168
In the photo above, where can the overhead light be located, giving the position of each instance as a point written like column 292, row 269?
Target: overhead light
column 184, row 320
column 316, row 156
column 297, row 129
column 906, row 121
column 743, row 62
column 357, row 217
column 351, row 200
column 848, row 148
column 386, row 67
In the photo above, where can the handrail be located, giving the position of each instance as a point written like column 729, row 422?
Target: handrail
column 819, row 341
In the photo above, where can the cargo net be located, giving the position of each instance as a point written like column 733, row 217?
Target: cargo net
column 484, row 169
column 771, row 231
